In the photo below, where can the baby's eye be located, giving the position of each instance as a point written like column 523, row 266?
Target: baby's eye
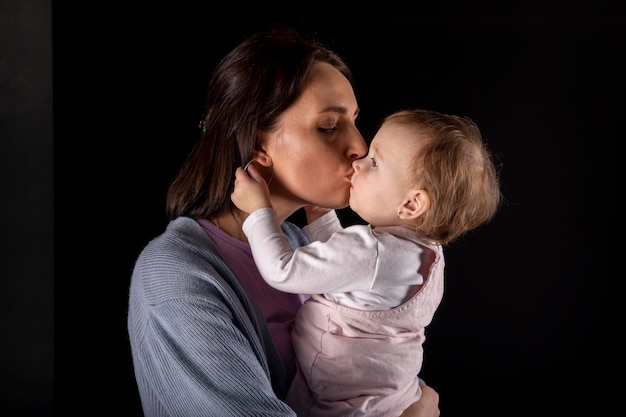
column 373, row 164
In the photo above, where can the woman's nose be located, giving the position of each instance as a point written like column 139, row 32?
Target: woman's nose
column 358, row 147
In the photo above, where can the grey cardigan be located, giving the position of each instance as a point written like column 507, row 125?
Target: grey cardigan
column 200, row 346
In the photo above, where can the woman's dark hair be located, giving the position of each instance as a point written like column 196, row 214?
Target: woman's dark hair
column 249, row 89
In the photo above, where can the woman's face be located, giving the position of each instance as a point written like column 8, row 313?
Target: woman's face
column 314, row 145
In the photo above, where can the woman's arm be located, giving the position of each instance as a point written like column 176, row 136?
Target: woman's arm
column 426, row 406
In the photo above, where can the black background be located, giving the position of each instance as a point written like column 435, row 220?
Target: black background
column 100, row 103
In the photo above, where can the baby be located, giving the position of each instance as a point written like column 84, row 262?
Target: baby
column 426, row 180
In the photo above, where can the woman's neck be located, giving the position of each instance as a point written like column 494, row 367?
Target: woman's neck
column 284, row 207
column 231, row 222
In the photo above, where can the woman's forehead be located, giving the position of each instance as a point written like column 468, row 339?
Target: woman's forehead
column 329, row 90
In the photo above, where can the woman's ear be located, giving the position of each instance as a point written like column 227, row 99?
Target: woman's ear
column 416, row 205
column 262, row 158
column 264, row 162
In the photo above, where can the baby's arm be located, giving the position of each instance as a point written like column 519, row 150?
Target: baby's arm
column 323, row 227
column 251, row 192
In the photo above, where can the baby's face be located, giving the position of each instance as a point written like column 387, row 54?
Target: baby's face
column 380, row 184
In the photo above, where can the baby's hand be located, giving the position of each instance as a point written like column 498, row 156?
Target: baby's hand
column 251, row 192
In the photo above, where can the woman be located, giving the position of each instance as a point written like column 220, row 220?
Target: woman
column 208, row 336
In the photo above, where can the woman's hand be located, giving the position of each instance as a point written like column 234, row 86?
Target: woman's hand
column 426, row 406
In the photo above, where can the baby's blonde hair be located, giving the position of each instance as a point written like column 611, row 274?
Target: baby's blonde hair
column 454, row 166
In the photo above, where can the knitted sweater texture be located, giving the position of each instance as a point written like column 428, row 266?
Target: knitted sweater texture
column 200, row 346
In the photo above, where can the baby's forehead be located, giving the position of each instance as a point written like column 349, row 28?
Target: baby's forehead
column 399, row 134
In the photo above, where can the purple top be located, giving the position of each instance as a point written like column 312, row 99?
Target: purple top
column 279, row 308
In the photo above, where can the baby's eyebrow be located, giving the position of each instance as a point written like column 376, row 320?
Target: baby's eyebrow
column 376, row 152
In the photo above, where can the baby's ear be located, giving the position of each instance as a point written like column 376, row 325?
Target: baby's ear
column 416, row 204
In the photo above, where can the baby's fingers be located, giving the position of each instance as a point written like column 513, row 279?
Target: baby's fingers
column 240, row 173
column 254, row 173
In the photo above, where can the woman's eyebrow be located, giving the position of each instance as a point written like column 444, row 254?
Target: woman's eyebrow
column 340, row 110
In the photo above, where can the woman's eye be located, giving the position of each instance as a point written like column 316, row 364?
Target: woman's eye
column 327, row 129
column 373, row 163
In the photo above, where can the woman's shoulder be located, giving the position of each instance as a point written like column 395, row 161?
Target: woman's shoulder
column 181, row 235
column 183, row 252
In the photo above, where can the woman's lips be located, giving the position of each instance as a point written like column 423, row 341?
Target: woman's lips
column 350, row 177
